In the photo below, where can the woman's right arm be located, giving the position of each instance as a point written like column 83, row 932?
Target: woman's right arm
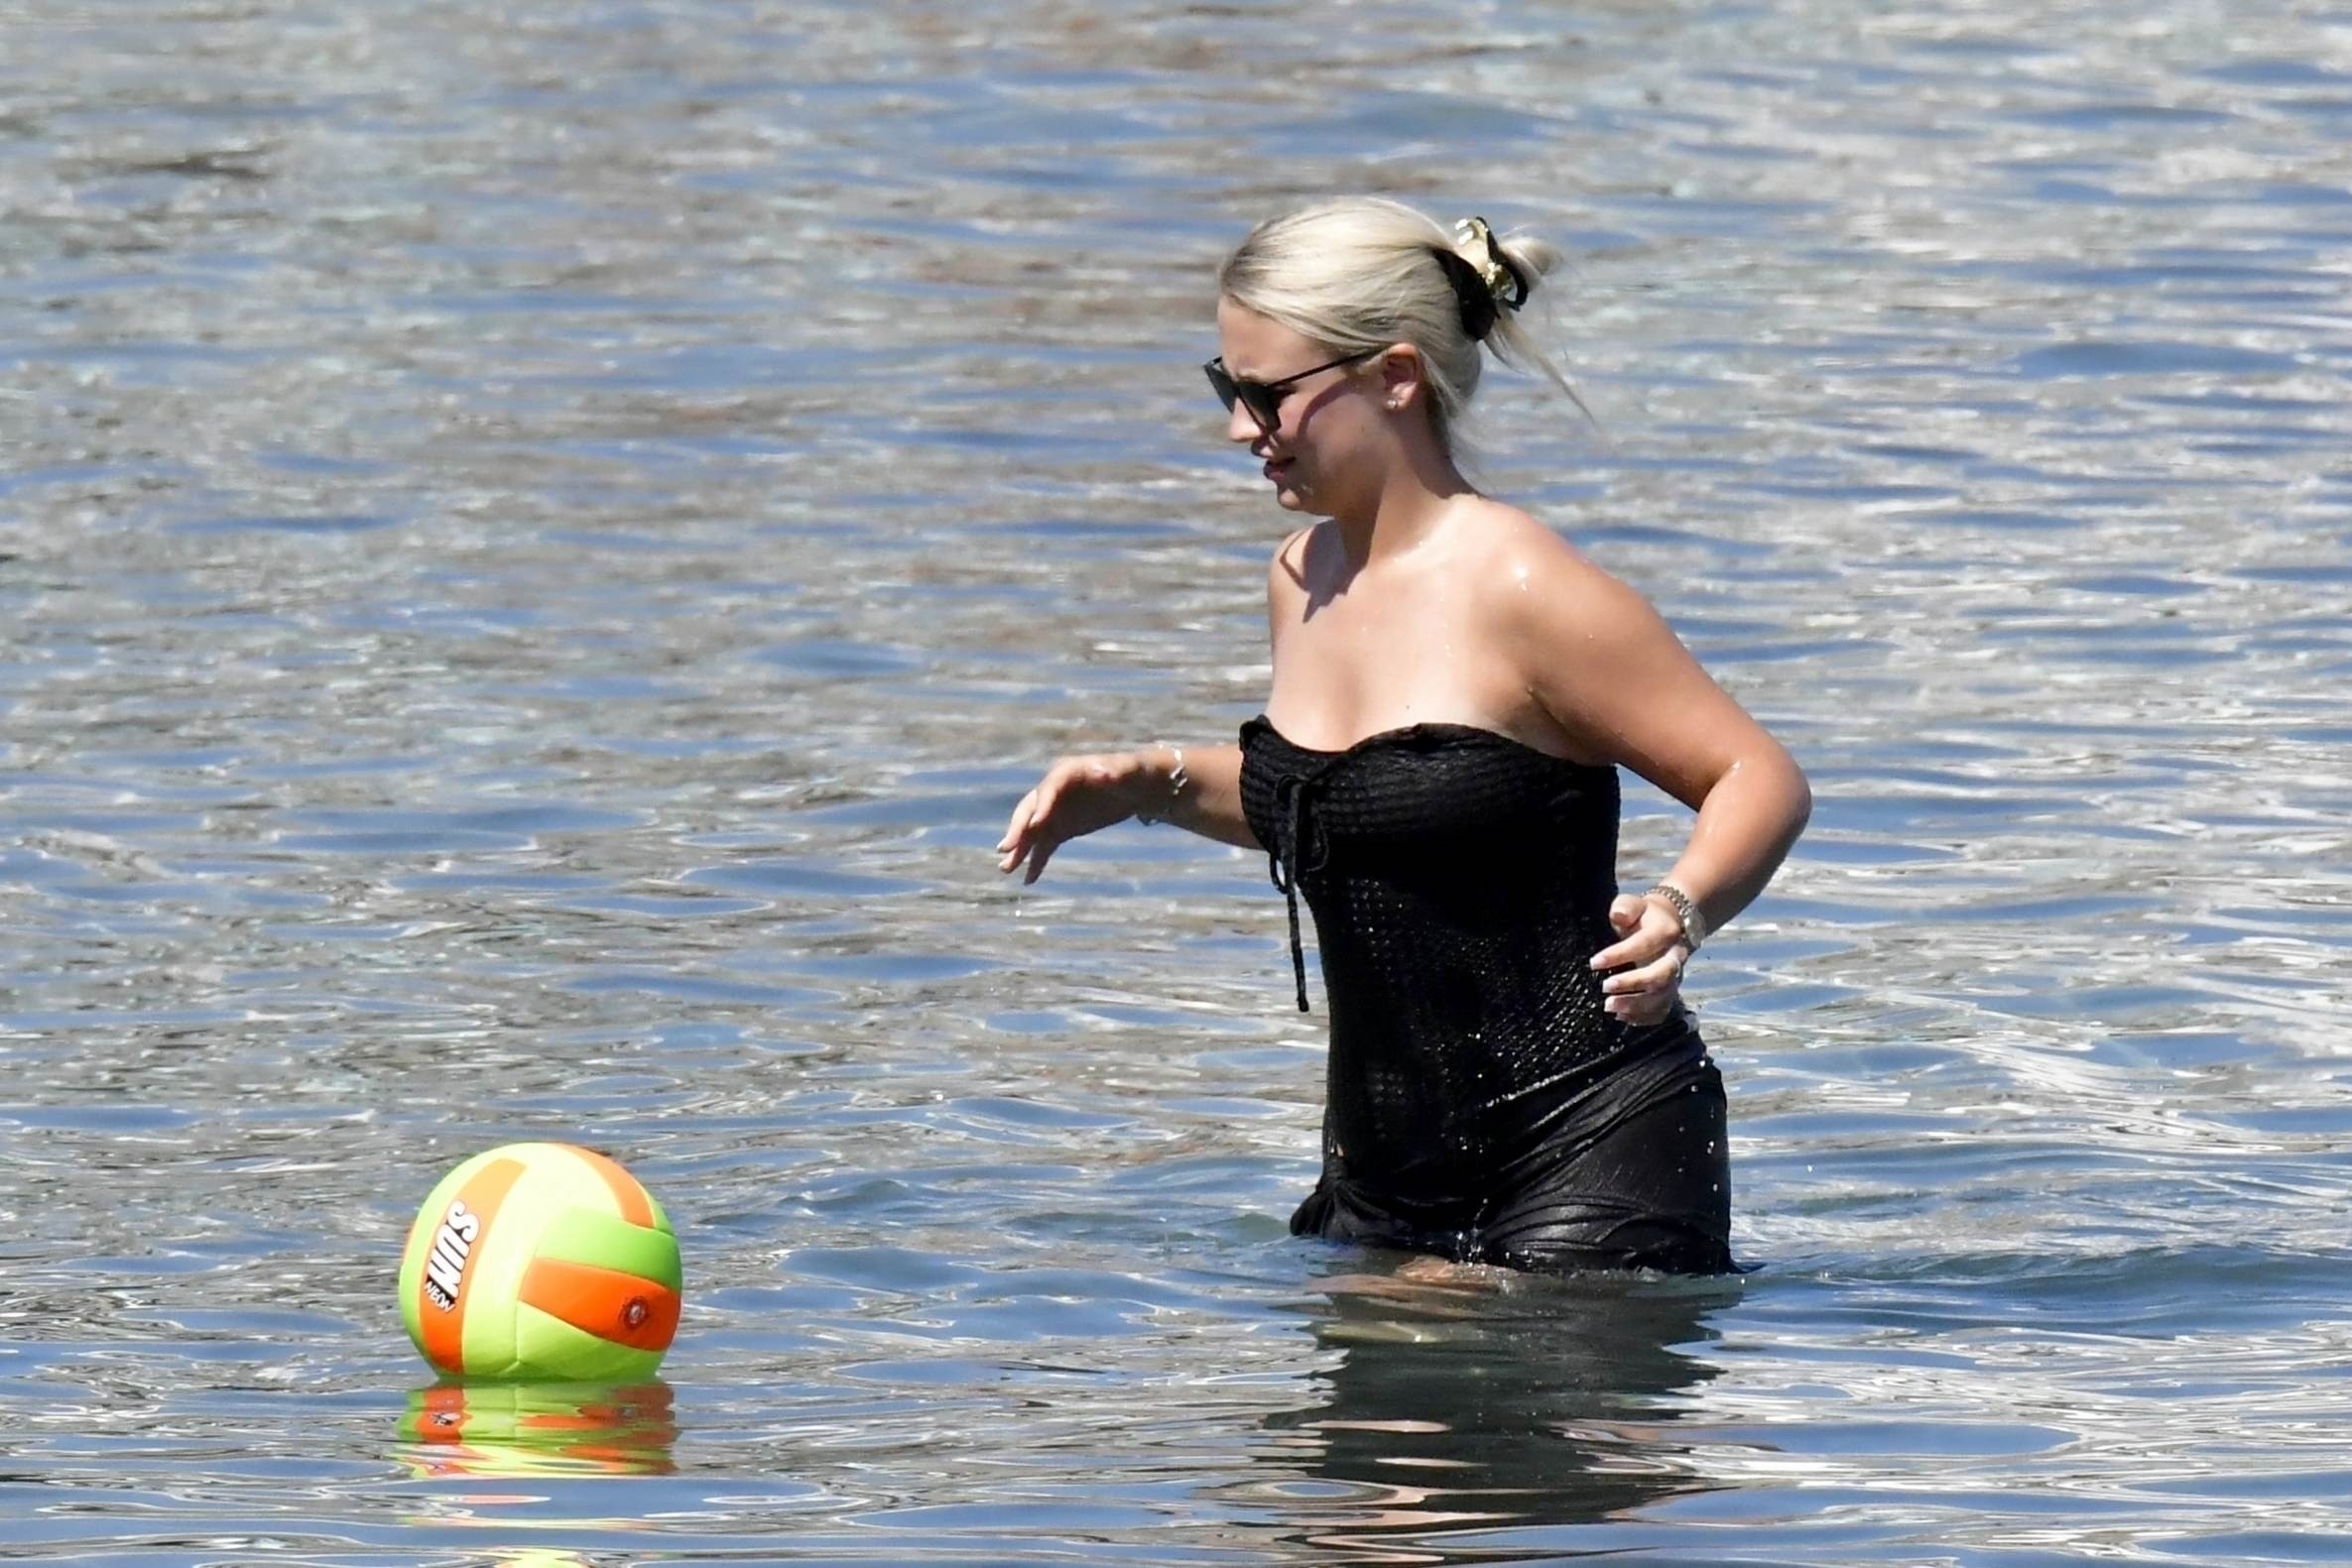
column 1085, row 794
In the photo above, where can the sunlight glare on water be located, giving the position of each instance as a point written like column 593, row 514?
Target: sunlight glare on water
column 540, row 543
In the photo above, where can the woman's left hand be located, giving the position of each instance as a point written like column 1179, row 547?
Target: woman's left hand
column 1647, row 960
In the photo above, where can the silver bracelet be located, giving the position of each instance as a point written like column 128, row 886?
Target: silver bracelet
column 1176, row 780
column 1694, row 926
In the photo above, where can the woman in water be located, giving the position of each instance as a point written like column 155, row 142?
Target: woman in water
column 1512, row 1079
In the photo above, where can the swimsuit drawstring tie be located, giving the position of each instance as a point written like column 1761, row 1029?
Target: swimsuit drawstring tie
column 1281, row 861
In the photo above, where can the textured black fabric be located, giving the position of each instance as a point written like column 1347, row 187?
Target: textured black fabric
column 1482, row 1104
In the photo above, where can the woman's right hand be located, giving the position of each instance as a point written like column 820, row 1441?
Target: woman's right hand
column 1079, row 795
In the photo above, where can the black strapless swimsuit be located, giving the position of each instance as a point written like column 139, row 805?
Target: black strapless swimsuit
column 1482, row 1105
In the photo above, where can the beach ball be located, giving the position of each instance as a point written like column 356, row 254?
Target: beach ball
column 542, row 1261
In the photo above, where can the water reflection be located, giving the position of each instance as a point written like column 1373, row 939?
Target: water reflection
column 509, row 1430
column 1477, row 1399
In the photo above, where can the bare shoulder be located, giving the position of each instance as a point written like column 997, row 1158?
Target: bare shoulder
column 1598, row 658
column 1531, row 577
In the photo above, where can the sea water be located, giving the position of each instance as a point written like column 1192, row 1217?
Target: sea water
column 540, row 542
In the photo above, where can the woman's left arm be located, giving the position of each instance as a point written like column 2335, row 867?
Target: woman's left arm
column 1611, row 673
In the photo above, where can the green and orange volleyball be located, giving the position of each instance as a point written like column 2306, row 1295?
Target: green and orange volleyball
column 542, row 1261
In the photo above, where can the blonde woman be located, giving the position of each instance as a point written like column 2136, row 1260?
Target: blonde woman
column 1512, row 1079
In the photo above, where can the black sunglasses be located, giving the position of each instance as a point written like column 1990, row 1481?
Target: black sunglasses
column 1264, row 399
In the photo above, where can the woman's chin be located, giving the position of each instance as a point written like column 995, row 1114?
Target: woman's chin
column 1288, row 494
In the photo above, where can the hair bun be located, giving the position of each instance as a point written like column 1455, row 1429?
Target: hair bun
column 1472, row 297
column 1506, row 281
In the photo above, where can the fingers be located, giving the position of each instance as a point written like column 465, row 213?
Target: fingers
column 1012, row 845
column 1039, row 839
column 1646, row 931
column 1030, row 847
column 1641, row 971
column 1645, row 1011
column 1033, row 835
column 1646, row 993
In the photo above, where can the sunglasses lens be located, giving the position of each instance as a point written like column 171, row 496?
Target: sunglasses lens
column 1221, row 384
column 1264, row 402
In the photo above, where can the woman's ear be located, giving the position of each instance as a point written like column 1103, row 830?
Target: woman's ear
column 1401, row 375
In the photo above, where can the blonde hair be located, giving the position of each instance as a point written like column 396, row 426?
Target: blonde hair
column 1360, row 273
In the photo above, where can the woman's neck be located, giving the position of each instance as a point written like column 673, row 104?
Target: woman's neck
column 1398, row 512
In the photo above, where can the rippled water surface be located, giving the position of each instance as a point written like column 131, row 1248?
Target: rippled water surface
column 539, row 541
